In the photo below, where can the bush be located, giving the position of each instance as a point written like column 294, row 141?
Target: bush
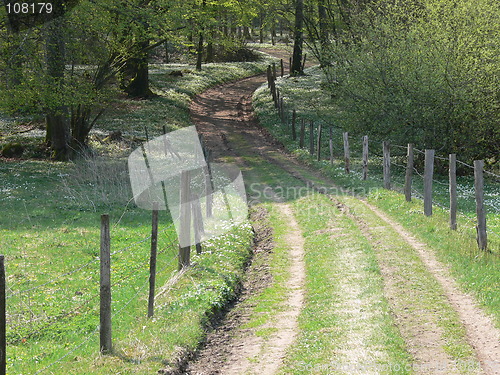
column 233, row 51
column 425, row 72
column 12, row 150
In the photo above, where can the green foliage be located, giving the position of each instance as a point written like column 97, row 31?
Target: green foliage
column 424, row 72
column 50, row 227
column 12, row 150
column 313, row 104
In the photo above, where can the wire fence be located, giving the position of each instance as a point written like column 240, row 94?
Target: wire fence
column 338, row 148
column 93, row 335
column 46, row 309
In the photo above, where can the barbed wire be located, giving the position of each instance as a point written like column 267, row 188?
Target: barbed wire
column 418, row 195
column 488, row 230
column 82, row 267
column 421, row 175
column 328, row 123
column 130, row 246
column 53, row 280
column 89, row 337
column 447, row 160
column 123, row 213
column 53, row 320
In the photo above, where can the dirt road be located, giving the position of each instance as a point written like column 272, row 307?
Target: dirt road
column 224, row 116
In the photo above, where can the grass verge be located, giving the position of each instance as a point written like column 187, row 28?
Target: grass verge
column 49, row 232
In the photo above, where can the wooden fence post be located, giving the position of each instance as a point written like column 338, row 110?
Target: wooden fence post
column 273, row 91
column 409, row 172
column 311, row 137
column 294, row 119
column 282, row 111
column 282, row 68
column 453, row 191
column 105, row 283
column 428, row 175
column 347, row 157
column 387, row 164
column 185, row 221
column 331, row 145
column 290, row 66
column 197, row 223
column 302, row 133
column 319, row 143
column 482, row 239
column 274, row 71
column 269, row 76
column 365, row 157
column 152, row 260
column 277, row 101
column 3, row 319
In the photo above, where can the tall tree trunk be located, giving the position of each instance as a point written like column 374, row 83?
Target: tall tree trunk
column 323, row 23
column 56, row 117
column 261, row 28
column 137, row 74
column 81, row 123
column 80, row 128
column 298, row 39
column 166, row 60
column 210, row 51
column 246, row 33
column 57, row 125
column 199, row 52
column 323, row 31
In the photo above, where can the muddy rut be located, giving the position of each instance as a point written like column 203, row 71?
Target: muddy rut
column 224, row 116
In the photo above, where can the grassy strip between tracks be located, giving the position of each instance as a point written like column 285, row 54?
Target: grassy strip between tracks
column 272, row 298
column 346, row 325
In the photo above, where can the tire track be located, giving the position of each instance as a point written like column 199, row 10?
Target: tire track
column 235, row 132
column 254, row 355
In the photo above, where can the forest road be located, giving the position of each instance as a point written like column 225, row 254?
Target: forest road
column 225, row 117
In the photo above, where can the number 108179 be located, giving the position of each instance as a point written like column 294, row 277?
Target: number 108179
column 28, row 8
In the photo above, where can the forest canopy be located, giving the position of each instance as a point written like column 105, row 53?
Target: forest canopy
column 419, row 71
column 422, row 71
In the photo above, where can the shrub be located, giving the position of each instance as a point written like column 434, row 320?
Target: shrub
column 424, row 72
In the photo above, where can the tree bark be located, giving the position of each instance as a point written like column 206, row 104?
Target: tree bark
column 199, row 52
column 323, row 24
column 137, row 73
column 210, row 52
column 246, row 33
column 261, row 28
column 80, row 128
column 299, row 38
column 56, row 116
